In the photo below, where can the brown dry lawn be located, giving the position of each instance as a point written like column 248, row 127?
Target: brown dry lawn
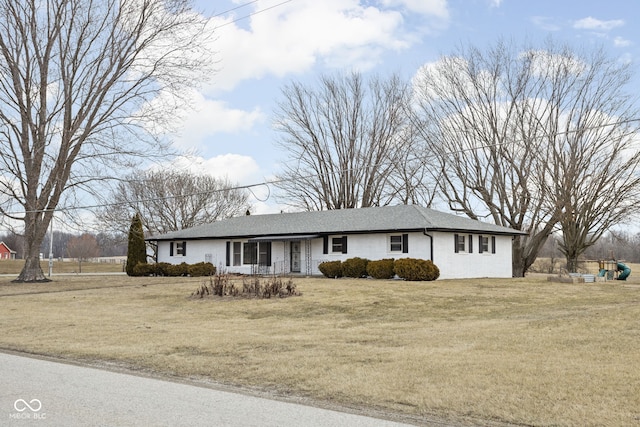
column 522, row 351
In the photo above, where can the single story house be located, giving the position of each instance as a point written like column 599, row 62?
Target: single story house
column 6, row 252
column 296, row 243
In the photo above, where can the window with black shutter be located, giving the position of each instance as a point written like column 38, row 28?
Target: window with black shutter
column 339, row 245
column 459, row 243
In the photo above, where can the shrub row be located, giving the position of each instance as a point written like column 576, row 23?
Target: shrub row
column 406, row 268
column 199, row 269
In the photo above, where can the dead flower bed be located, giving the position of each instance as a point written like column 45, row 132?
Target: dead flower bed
column 222, row 285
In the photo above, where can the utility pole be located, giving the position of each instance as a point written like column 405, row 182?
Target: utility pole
column 51, row 246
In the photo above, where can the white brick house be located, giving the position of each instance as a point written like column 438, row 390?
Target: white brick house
column 298, row 242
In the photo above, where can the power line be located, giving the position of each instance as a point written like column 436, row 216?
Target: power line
column 268, row 183
column 234, row 8
column 250, row 14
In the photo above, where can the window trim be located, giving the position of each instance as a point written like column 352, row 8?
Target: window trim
column 403, row 243
column 339, row 245
column 249, row 258
column 483, row 244
column 178, row 248
column 460, row 243
column 236, row 262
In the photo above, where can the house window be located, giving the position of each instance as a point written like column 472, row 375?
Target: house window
column 459, row 242
column 181, row 248
column 399, row 243
column 264, row 253
column 237, row 253
column 339, row 245
column 483, row 244
column 396, row 243
column 250, row 253
column 178, row 249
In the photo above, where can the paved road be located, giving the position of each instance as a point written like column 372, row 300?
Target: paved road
column 39, row 392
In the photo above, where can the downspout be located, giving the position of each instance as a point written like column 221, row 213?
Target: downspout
column 430, row 243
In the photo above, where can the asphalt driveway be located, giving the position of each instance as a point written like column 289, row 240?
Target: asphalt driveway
column 39, row 392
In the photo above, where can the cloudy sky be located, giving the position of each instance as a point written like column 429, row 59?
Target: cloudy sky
column 263, row 45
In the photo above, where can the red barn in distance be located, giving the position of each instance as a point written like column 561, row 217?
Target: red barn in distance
column 6, row 252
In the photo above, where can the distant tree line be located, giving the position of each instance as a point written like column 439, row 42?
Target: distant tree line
column 69, row 245
column 619, row 245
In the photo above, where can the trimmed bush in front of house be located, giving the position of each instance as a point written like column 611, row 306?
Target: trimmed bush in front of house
column 416, row 269
column 331, row 269
column 199, row 269
column 355, row 267
column 412, row 269
column 381, row 269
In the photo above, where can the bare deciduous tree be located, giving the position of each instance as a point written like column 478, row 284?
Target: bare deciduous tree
column 77, row 81
column 344, row 141
column 589, row 125
column 499, row 121
column 82, row 248
column 170, row 201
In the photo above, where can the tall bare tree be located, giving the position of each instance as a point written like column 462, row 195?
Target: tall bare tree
column 344, row 141
column 76, row 84
column 171, row 201
column 593, row 171
column 494, row 120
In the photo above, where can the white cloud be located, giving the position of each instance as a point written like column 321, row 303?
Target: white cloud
column 209, row 117
column 192, row 117
column 429, row 8
column 545, row 23
column 237, row 168
column 296, row 36
column 591, row 23
column 621, row 42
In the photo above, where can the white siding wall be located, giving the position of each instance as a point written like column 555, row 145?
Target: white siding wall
column 371, row 246
column 475, row 264
column 374, row 246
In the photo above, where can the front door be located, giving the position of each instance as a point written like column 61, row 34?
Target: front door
column 295, row 256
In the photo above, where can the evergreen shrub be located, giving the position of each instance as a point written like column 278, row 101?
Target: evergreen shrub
column 201, row 269
column 141, row 269
column 381, row 269
column 178, row 270
column 355, row 267
column 416, row 269
column 136, row 249
column 331, row 269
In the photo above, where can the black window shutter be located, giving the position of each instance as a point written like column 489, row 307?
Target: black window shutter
column 479, row 244
column 455, row 243
column 171, row 249
column 493, row 244
column 344, row 244
column 470, row 243
column 325, row 244
column 228, row 254
column 184, row 248
column 405, row 243
column 268, row 260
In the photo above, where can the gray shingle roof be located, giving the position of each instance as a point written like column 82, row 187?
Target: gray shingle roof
column 343, row 221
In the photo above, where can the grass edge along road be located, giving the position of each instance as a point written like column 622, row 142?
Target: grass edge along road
column 522, row 351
